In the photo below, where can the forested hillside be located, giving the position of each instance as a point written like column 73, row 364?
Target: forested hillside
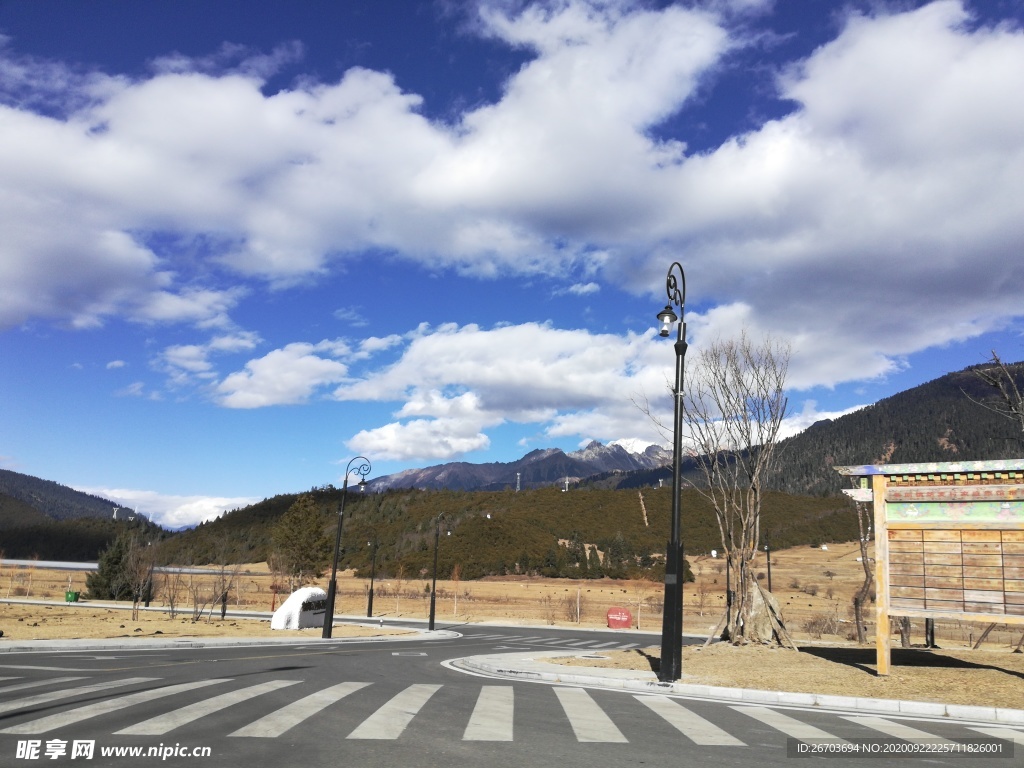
column 544, row 531
column 79, row 540
column 937, row 421
column 52, row 500
column 941, row 420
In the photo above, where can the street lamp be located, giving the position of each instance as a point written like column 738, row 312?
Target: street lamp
column 363, row 469
column 373, row 572
column 433, row 585
column 768, row 557
column 672, row 622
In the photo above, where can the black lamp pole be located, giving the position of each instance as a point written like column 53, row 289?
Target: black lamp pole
column 671, row 668
column 433, row 585
column 373, row 572
column 768, row 557
column 332, row 589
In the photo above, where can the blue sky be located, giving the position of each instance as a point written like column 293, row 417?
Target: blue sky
column 243, row 242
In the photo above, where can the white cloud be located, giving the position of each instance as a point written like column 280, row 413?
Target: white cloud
column 584, row 289
column 284, row 376
column 454, row 382
column 171, row 511
column 206, row 308
column 113, row 364
column 186, row 363
column 809, row 414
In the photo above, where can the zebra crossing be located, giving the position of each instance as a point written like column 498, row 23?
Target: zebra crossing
column 557, row 642
column 491, row 713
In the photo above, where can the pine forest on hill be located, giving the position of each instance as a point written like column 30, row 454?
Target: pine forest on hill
column 544, row 531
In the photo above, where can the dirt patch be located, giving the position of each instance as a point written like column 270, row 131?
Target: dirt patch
column 979, row 678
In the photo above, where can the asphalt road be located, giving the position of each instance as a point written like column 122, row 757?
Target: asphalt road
column 395, row 703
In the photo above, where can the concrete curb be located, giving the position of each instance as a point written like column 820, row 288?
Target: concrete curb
column 518, row 666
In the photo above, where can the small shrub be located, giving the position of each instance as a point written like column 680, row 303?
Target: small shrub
column 822, row 624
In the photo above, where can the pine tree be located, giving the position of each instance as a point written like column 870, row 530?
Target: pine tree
column 104, row 583
column 301, row 542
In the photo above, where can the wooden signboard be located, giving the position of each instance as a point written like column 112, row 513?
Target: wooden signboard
column 949, row 541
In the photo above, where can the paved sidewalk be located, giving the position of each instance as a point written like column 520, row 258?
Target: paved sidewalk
column 537, row 667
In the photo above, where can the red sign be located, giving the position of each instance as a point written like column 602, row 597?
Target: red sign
column 619, row 618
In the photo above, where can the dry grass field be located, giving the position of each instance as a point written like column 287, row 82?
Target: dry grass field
column 814, row 587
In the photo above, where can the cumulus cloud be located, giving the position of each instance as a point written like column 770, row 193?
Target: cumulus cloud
column 284, row 376
column 453, row 382
column 188, row 364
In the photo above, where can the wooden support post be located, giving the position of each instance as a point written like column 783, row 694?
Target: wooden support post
column 883, row 641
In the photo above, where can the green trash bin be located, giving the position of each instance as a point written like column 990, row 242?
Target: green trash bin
column 71, row 597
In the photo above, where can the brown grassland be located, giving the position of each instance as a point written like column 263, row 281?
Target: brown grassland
column 814, row 588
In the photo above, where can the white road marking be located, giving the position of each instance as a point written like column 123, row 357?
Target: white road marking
column 688, row 723
column 589, row 722
column 389, row 721
column 492, row 716
column 288, row 717
column 157, row 726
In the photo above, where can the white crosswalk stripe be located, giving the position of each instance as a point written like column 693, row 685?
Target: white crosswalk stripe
column 690, row 724
column 790, row 726
column 157, row 726
column 1017, row 737
column 896, row 730
column 389, row 721
column 67, row 693
column 288, row 717
column 589, row 722
column 37, row 684
column 77, row 715
column 492, row 716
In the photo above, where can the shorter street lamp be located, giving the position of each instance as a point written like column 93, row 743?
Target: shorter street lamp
column 373, row 572
column 768, row 556
column 433, row 585
column 332, row 589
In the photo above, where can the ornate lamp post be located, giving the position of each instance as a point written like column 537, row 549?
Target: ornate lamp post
column 672, row 622
column 363, row 469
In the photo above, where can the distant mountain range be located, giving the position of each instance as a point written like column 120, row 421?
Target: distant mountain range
column 549, row 466
column 941, row 420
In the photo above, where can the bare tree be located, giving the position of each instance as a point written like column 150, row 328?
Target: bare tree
column 734, row 407
column 1005, row 379
column 399, row 580
column 137, row 572
column 456, row 578
column 864, row 526
column 173, row 583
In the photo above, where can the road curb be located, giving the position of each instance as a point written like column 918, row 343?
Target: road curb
column 531, row 667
